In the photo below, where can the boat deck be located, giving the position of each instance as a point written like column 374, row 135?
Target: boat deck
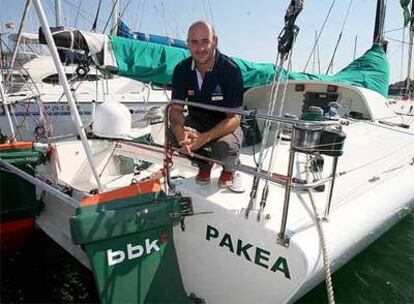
column 358, row 173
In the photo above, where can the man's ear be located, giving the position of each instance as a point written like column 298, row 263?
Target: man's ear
column 215, row 41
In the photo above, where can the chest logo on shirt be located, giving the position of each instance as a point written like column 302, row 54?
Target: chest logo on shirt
column 217, row 94
column 190, row 93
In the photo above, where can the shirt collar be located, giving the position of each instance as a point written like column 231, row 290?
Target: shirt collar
column 216, row 53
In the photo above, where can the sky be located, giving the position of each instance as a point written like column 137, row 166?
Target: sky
column 245, row 28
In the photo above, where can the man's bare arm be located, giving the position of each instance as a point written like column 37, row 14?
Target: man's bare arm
column 176, row 119
column 184, row 135
column 228, row 125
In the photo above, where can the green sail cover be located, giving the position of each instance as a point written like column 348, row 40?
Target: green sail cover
column 150, row 62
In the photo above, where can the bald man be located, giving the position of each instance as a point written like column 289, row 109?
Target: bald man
column 212, row 78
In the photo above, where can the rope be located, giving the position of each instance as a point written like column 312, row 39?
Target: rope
column 325, row 255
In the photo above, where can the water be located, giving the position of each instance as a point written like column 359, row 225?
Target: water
column 384, row 273
column 43, row 272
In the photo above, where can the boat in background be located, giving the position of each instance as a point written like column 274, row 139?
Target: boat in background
column 401, row 93
column 37, row 79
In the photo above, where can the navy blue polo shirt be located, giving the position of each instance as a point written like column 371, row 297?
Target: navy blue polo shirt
column 222, row 86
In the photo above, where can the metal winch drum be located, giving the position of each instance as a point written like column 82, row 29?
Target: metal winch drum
column 306, row 138
column 313, row 139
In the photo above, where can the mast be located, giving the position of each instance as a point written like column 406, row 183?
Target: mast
column 115, row 17
column 2, row 57
column 379, row 21
column 355, row 46
column 58, row 12
column 410, row 55
column 314, row 54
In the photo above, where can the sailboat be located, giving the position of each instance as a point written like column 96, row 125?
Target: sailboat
column 35, row 77
column 134, row 215
column 401, row 93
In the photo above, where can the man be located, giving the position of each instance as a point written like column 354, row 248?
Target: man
column 212, row 78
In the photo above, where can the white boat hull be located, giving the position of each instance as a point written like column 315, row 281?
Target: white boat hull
column 58, row 113
column 225, row 257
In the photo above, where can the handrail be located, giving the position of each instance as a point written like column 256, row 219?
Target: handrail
column 40, row 184
column 252, row 113
column 287, row 182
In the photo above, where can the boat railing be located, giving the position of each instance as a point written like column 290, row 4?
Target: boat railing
column 301, row 133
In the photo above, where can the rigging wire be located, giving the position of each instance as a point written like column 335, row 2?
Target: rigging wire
column 397, row 40
column 122, row 14
column 29, row 77
column 286, row 40
column 277, row 138
column 77, row 15
column 109, row 158
column 140, row 19
column 319, row 57
column 86, row 16
column 110, row 16
column 394, row 30
column 402, row 54
column 330, row 66
column 96, row 17
column 211, row 12
column 319, row 36
column 205, row 11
